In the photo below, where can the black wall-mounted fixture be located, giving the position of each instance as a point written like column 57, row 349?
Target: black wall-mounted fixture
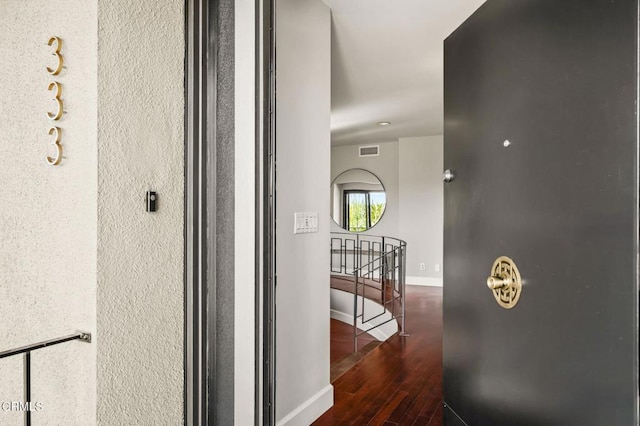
column 151, row 201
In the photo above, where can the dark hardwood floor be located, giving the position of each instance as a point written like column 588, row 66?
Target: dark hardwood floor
column 342, row 356
column 342, row 340
column 400, row 381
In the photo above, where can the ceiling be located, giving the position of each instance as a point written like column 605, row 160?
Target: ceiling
column 387, row 66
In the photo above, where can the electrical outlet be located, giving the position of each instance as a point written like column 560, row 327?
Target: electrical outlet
column 423, row 267
column 436, row 268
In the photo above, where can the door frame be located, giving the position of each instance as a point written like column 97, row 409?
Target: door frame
column 209, row 213
column 266, row 276
column 209, row 365
column 200, row 206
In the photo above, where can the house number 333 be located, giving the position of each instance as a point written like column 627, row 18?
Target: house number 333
column 56, row 89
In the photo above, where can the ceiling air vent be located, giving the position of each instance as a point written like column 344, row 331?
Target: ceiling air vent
column 370, row 151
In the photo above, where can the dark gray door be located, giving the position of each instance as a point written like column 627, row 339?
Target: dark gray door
column 541, row 133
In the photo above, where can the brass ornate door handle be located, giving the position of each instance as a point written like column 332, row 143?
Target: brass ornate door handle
column 498, row 282
column 505, row 282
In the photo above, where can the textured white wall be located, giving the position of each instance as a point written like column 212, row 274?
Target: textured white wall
column 303, row 156
column 140, row 255
column 48, row 214
column 421, row 205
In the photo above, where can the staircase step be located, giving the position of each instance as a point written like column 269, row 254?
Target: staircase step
column 345, row 364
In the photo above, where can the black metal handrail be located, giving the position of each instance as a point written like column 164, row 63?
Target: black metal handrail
column 26, row 350
column 85, row 337
column 372, row 259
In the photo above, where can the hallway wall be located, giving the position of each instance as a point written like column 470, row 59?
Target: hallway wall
column 410, row 170
column 385, row 167
column 421, row 206
column 48, row 213
column 140, row 262
column 303, row 156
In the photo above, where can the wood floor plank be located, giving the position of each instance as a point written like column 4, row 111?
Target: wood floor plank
column 342, row 340
column 436, row 419
column 385, row 411
column 400, row 381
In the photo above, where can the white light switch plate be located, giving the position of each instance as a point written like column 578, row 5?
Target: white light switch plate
column 305, row 222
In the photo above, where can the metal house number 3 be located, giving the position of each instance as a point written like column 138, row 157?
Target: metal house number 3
column 56, row 88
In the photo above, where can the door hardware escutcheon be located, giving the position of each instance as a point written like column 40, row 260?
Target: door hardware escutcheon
column 505, row 282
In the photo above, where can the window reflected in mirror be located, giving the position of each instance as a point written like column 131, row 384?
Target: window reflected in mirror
column 358, row 200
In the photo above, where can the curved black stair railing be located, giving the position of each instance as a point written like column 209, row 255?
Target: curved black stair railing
column 374, row 263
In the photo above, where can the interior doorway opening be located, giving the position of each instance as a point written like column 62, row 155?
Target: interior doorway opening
column 350, row 76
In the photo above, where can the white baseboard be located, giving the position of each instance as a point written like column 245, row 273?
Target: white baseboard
column 307, row 412
column 425, row 281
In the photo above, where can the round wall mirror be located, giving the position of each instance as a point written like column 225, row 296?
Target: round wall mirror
column 358, row 200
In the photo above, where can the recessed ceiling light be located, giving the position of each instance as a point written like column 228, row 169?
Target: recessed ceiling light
column 383, row 123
